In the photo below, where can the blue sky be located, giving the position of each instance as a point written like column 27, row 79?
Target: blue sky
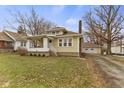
column 67, row 16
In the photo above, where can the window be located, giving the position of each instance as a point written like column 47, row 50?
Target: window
column 23, row 43
column 92, row 49
column 60, row 42
column 10, row 44
column 31, row 45
column 53, row 33
column 65, row 42
column 70, row 42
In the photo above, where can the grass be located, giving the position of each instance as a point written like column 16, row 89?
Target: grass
column 27, row 71
column 45, row 72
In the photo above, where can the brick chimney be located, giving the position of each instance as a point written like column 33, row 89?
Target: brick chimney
column 80, row 26
column 20, row 30
column 80, row 39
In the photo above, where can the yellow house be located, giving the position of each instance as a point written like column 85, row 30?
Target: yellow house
column 56, row 41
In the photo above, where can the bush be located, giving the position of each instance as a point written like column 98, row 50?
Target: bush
column 83, row 55
column 22, row 51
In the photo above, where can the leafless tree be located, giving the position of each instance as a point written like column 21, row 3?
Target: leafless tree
column 31, row 23
column 105, row 23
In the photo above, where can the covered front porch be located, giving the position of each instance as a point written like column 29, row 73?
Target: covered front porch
column 38, row 45
column 6, row 44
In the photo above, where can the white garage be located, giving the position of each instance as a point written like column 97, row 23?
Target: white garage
column 91, row 48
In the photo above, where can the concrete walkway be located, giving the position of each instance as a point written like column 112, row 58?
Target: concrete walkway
column 112, row 68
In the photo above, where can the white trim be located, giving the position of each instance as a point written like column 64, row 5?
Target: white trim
column 79, row 35
column 38, row 49
column 9, row 35
column 45, row 42
column 78, row 45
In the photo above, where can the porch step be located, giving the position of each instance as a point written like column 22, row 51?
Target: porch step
column 52, row 53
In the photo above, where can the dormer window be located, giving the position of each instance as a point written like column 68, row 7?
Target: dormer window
column 53, row 33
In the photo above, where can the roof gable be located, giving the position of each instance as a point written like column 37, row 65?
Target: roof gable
column 90, row 45
column 4, row 37
column 16, row 36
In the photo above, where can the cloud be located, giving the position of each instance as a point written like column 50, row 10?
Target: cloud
column 71, row 21
column 71, row 24
column 58, row 8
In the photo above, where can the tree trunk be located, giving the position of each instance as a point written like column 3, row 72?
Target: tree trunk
column 109, row 48
column 102, row 52
column 109, row 39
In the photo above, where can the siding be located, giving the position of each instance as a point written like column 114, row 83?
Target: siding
column 73, row 48
column 117, row 50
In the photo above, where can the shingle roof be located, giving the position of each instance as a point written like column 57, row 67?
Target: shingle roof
column 90, row 45
column 66, row 32
column 4, row 37
column 17, row 36
column 70, row 32
column 57, row 29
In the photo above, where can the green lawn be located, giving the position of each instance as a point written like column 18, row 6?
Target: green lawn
column 28, row 71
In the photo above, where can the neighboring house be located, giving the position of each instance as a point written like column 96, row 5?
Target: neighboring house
column 19, row 39
column 118, row 47
column 91, row 48
column 11, row 40
column 6, row 43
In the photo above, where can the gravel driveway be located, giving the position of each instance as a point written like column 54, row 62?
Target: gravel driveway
column 114, row 69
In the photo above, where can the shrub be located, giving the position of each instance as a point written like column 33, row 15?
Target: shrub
column 35, row 54
column 83, row 55
column 43, row 55
column 39, row 55
column 22, row 51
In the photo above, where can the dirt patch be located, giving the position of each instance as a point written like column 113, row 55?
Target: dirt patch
column 4, row 83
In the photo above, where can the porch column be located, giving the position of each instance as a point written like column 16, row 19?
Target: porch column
column 45, row 42
column 28, row 44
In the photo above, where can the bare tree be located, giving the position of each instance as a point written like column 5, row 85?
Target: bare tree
column 31, row 23
column 105, row 22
